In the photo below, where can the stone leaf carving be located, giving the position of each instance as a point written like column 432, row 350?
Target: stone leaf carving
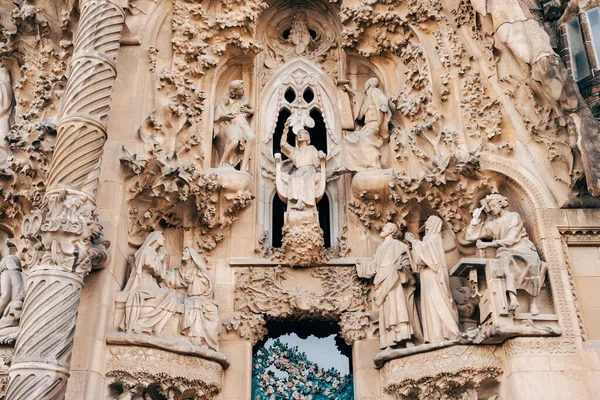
column 262, row 291
column 448, row 187
column 159, row 185
column 248, row 326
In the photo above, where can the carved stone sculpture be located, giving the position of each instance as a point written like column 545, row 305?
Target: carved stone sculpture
column 231, row 122
column 394, row 292
column 521, row 264
column 200, row 318
column 148, row 307
column 12, row 294
column 67, row 219
column 7, row 107
column 361, row 150
column 299, row 33
column 301, row 189
column 528, row 41
column 438, row 311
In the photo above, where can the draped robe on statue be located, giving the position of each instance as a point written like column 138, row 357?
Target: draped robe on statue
column 394, row 294
column 200, row 313
column 302, row 185
column 362, row 150
column 521, row 262
column 148, row 307
column 439, row 315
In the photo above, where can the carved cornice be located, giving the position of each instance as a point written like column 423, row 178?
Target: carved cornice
column 580, row 236
column 136, row 368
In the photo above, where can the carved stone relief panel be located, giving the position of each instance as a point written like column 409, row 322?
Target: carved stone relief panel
column 326, row 293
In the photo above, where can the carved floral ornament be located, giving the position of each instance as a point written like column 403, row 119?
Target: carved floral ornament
column 261, row 295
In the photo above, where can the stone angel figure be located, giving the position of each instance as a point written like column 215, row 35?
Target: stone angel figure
column 200, row 313
column 439, row 315
column 148, row 307
column 394, row 291
column 523, row 269
column 303, row 188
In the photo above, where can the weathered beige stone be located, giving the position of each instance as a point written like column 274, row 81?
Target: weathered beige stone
column 139, row 137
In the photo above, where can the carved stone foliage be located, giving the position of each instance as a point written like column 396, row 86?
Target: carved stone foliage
column 35, row 48
column 160, row 187
column 342, row 298
column 452, row 373
column 200, row 37
column 166, row 177
column 136, row 371
column 450, row 188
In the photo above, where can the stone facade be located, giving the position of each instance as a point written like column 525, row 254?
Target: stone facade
column 177, row 175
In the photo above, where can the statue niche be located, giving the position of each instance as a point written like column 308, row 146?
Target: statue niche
column 299, row 152
column 301, row 189
column 233, row 129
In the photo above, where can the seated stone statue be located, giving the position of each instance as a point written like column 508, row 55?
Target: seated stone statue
column 361, row 150
column 12, row 294
column 148, row 307
column 523, row 269
column 200, row 313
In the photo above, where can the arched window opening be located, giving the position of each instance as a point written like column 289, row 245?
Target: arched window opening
column 318, row 134
column 284, row 114
column 308, row 95
column 300, row 359
column 279, row 210
column 325, row 219
column 290, row 95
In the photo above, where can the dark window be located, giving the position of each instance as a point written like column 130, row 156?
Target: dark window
column 325, row 219
column 308, row 95
column 290, row 95
column 318, row 134
column 279, row 210
column 284, row 114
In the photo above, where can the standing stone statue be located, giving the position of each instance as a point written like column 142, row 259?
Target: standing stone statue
column 394, row 292
column 304, row 188
column 200, row 314
column 12, row 294
column 438, row 311
column 518, row 256
column 361, row 150
column 231, row 122
column 7, row 107
column 148, row 307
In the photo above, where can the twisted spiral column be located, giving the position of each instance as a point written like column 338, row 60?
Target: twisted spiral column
column 67, row 220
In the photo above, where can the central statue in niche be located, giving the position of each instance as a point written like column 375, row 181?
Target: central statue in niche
column 301, row 190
